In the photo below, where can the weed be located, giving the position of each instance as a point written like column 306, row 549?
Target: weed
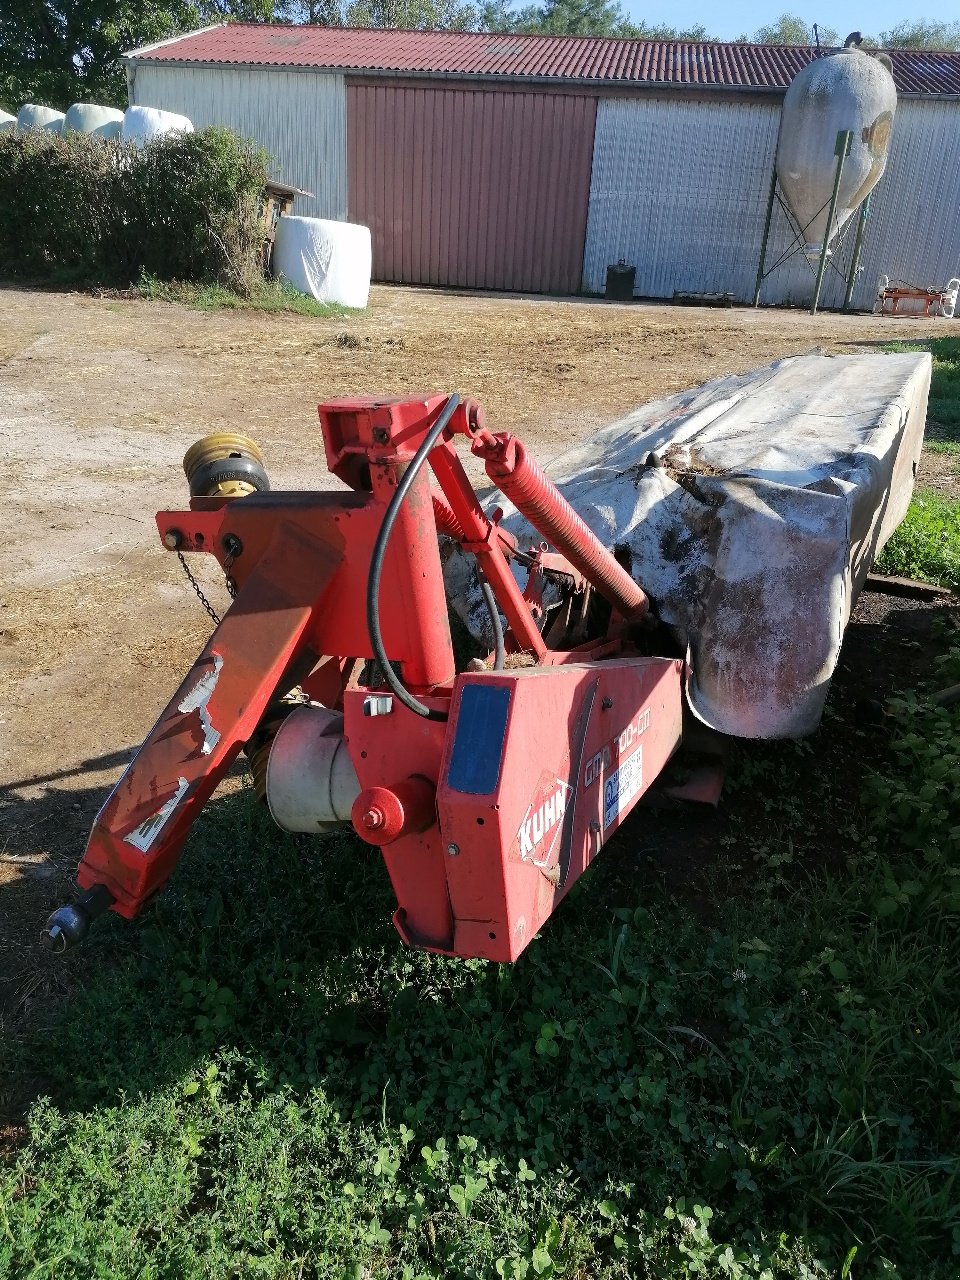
column 266, row 295
column 943, row 408
column 259, row 1080
column 927, row 543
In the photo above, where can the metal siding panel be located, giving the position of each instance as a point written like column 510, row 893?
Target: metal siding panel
column 300, row 119
column 478, row 124
column 500, row 182
column 913, row 233
column 414, row 109
column 537, row 193
column 408, row 204
column 384, row 152
column 679, row 189
column 354, row 170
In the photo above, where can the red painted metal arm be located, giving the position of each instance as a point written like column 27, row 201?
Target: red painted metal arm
column 537, row 498
column 139, row 833
column 481, row 536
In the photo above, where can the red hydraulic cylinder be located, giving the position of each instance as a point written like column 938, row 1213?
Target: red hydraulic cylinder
column 486, row 541
column 536, row 497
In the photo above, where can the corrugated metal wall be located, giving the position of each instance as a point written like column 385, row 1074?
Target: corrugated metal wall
column 300, row 117
column 913, row 233
column 490, row 189
column 472, row 188
column 680, row 188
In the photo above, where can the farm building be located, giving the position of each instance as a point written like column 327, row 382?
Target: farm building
column 533, row 162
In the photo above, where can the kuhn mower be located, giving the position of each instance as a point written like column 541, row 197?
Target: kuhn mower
column 750, row 508
column 488, row 791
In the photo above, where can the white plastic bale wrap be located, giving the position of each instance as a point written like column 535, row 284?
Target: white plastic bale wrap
column 754, row 537
column 30, row 116
column 141, row 124
column 329, row 261
column 7, row 122
column 87, row 117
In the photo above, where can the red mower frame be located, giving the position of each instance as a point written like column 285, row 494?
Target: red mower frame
column 488, row 791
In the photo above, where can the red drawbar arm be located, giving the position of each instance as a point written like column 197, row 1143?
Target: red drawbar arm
column 138, row 835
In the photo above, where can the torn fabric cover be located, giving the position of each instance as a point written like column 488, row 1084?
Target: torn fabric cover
column 774, row 492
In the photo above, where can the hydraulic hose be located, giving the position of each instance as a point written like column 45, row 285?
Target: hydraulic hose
column 376, row 565
column 398, row 689
column 499, row 651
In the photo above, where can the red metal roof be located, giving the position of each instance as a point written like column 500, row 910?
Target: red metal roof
column 615, row 61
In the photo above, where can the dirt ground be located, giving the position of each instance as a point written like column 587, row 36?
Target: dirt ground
column 99, row 399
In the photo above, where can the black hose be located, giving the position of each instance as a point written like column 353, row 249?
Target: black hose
column 499, row 652
column 376, row 565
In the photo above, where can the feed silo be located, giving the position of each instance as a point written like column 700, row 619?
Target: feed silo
column 832, row 149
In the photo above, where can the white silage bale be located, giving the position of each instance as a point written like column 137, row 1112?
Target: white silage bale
column 329, row 261
column 31, row 116
column 89, row 118
column 142, row 124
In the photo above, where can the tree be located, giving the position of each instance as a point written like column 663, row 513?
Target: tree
column 70, row 51
column 790, row 29
column 573, row 18
column 592, row 18
column 64, row 51
column 922, row 35
column 416, row 15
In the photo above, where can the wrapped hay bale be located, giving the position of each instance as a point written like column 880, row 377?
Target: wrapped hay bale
column 31, row 116
column 141, row 124
column 329, row 261
column 89, row 118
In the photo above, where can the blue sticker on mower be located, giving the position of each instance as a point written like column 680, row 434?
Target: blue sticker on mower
column 622, row 786
column 478, row 746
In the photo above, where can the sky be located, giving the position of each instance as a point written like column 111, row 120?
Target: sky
column 736, row 17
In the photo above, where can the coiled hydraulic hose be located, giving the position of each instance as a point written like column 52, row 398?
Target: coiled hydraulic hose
column 376, row 572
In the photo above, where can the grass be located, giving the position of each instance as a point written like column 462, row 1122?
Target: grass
column 267, row 295
column 943, row 410
column 258, row 1080
column 927, row 544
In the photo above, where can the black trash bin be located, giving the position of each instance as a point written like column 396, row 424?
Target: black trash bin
column 620, row 282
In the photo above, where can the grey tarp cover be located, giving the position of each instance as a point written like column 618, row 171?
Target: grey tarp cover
column 777, row 489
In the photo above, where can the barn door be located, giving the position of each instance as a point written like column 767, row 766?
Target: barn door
column 472, row 188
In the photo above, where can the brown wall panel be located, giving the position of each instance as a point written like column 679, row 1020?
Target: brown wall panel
column 473, row 189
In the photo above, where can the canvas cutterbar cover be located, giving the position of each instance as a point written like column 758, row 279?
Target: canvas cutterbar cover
column 754, row 523
column 329, row 261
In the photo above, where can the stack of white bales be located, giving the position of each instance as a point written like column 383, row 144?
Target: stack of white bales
column 136, row 125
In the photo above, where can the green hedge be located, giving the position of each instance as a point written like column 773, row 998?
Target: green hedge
column 184, row 207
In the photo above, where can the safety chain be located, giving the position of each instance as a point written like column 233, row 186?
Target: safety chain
column 231, row 585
